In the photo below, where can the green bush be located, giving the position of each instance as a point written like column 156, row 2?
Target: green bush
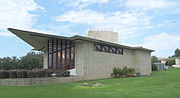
column 154, row 67
column 13, row 74
column 59, row 74
column 21, row 73
column 32, row 74
column 48, row 73
column 41, row 73
column 170, row 63
column 4, row 74
column 122, row 73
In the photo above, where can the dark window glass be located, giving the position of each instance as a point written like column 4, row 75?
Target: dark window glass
column 103, row 49
column 97, row 47
column 119, row 51
column 50, row 56
column 108, row 49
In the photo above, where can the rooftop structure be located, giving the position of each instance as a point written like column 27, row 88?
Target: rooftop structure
column 106, row 35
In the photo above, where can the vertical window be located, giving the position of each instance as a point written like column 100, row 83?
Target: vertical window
column 60, row 54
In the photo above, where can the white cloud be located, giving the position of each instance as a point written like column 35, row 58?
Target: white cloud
column 84, row 16
column 126, row 23
column 150, row 4
column 93, row 1
column 164, row 44
column 83, row 3
column 16, row 14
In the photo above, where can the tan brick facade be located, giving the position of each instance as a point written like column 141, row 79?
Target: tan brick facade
column 92, row 64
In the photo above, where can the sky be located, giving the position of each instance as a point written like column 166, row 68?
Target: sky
column 153, row 24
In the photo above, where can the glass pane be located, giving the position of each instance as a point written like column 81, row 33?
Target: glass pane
column 50, row 55
column 54, row 61
column 103, row 49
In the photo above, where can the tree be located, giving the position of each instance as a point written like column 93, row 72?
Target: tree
column 177, row 52
column 32, row 61
column 170, row 63
column 8, row 63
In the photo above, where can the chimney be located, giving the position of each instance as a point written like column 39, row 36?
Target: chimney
column 105, row 35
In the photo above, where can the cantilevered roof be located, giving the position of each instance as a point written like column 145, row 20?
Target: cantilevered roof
column 39, row 41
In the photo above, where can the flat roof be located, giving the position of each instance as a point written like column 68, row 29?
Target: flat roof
column 36, row 39
column 167, row 59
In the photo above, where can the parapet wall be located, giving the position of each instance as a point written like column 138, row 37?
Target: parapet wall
column 37, row 81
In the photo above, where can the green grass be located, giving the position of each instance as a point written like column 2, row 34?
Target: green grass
column 164, row 84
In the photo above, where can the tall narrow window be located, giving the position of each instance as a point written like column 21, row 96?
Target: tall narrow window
column 60, row 54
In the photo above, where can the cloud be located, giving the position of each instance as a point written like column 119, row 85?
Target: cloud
column 62, row 30
column 84, row 16
column 83, row 3
column 163, row 43
column 16, row 14
column 126, row 23
column 150, row 4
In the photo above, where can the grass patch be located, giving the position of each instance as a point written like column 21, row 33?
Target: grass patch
column 163, row 84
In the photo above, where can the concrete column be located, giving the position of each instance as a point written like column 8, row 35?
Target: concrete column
column 177, row 61
column 45, row 59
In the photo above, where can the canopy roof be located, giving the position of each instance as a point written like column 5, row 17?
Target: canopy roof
column 170, row 59
column 39, row 40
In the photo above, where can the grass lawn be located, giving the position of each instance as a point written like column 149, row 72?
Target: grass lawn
column 164, row 84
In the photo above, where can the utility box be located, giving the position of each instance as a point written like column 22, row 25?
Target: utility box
column 160, row 66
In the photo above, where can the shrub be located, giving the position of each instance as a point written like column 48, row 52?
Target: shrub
column 32, row 74
column 154, row 67
column 59, row 73
column 41, row 73
column 48, row 73
column 67, row 74
column 22, row 74
column 131, row 72
column 122, row 73
column 4, row 74
column 62, row 73
column 13, row 74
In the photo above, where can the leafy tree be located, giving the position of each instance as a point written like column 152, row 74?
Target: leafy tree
column 154, row 59
column 8, row 63
column 32, row 61
column 177, row 52
column 170, row 63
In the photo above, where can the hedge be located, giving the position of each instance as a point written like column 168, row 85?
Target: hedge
column 31, row 73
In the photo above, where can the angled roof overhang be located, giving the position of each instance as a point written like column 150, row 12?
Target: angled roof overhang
column 40, row 41
column 37, row 40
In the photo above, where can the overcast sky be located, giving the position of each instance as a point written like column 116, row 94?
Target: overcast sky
column 153, row 24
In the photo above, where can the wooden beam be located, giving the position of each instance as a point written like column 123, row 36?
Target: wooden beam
column 61, row 56
column 52, row 54
column 70, row 66
column 56, row 54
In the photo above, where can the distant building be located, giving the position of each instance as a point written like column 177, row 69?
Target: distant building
column 91, row 57
column 177, row 61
